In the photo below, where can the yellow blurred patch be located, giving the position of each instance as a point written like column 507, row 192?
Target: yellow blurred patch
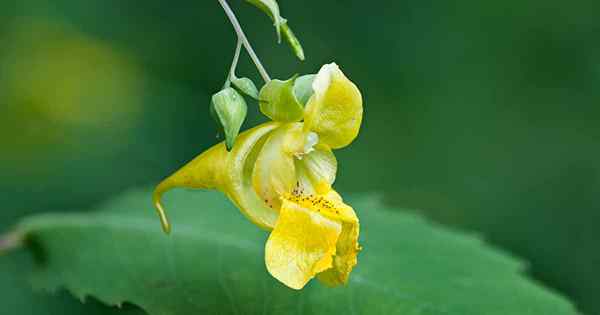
column 54, row 78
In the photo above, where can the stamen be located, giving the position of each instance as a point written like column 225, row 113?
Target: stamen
column 316, row 203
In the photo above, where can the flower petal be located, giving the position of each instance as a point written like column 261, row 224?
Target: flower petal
column 321, row 167
column 304, row 185
column 274, row 172
column 345, row 258
column 237, row 183
column 347, row 249
column 301, row 245
column 335, row 109
column 228, row 172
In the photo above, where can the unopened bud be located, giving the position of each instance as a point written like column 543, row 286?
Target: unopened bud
column 292, row 40
column 229, row 109
column 245, row 86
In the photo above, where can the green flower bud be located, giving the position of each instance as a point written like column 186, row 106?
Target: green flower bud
column 245, row 86
column 278, row 101
column 229, row 109
column 292, row 40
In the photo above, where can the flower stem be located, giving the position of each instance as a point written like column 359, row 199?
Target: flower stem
column 242, row 37
column 234, row 63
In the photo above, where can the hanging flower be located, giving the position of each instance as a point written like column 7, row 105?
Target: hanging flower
column 280, row 175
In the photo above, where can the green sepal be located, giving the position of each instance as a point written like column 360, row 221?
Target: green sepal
column 303, row 88
column 229, row 110
column 245, row 86
column 278, row 101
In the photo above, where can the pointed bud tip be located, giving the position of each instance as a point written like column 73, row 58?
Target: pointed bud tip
column 229, row 145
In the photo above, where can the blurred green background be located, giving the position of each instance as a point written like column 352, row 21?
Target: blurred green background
column 483, row 115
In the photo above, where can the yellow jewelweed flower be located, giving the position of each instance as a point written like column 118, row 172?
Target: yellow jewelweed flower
column 279, row 174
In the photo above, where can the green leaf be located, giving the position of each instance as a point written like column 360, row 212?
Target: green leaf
column 278, row 101
column 245, row 86
column 213, row 263
column 20, row 299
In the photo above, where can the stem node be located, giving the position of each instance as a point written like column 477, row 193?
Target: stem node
column 241, row 36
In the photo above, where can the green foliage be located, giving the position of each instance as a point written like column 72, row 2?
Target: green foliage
column 213, row 263
column 19, row 299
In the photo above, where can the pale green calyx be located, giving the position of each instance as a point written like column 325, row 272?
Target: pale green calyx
column 229, row 110
column 303, row 88
column 278, row 101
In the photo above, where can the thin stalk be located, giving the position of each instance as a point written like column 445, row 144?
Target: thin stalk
column 236, row 58
column 242, row 37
